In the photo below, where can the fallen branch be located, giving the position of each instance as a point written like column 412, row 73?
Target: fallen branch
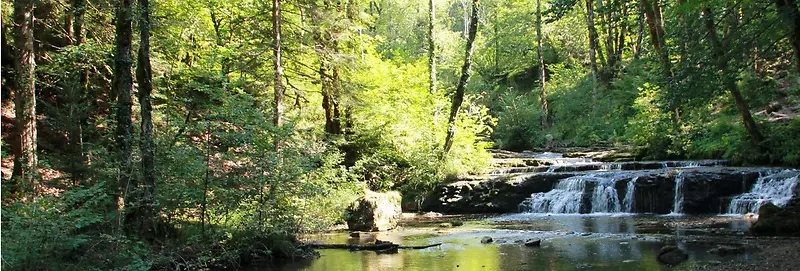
column 367, row 246
column 420, row 247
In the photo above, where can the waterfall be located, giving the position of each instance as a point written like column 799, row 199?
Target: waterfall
column 552, row 168
column 604, row 197
column 775, row 188
column 566, row 198
column 630, row 196
column 678, row 200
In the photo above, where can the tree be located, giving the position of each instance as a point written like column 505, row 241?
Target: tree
column 718, row 51
column 458, row 96
column 122, row 88
column 593, row 45
column 791, row 18
column 655, row 24
column 542, row 92
column 25, row 158
column 278, row 87
column 432, row 46
column 144, row 215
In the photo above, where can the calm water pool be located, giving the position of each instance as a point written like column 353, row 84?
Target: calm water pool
column 569, row 242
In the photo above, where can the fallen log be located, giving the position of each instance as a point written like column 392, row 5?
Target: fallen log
column 372, row 247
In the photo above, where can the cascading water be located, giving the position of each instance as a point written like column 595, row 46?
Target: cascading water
column 630, row 196
column 565, row 198
column 678, row 200
column 775, row 188
column 604, row 197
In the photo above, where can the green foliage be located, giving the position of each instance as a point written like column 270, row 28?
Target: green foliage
column 517, row 126
column 67, row 233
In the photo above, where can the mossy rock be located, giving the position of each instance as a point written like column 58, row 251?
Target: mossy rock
column 773, row 220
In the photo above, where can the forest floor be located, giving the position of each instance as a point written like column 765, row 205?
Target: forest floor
column 774, row 254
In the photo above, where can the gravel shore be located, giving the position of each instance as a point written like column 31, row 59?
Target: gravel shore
column 774, row 254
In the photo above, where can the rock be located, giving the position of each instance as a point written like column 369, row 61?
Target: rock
column 706, row 189
column 773, row 220
column 355, row 234
column 379, row 242
column 486, row 240
column 750, row 216
column 533, row 242
column 586, row 234
column 672, row 255
column 725, row 250
column 583, row 266
column 445, row 225
column 375, row 212
column 457, row 223
column 432, row 214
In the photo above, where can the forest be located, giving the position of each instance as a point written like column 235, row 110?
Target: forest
column 164, row 134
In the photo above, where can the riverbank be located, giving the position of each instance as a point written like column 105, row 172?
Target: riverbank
column 774, row 253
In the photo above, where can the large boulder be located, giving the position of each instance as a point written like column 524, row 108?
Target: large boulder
column 672, row 255
column 375, row 212
column 774, row 220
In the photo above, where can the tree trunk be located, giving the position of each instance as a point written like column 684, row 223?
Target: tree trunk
column 78, row 9
column 122, row 88
column 279, row 90
column 458, row 97
column 330, row 101
column 637, row 48
column 25, row 158
column 542, row 91
column 791, row 17
column 730, row 83
column 432, row 46
column 655, row 25
column 144, row 214
column 592, row 45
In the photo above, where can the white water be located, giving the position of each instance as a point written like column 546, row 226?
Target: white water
column 630, row 196
column 568, row 196
column 775, row 188
column 565, row 198
column 604, row 197
column 678, row 200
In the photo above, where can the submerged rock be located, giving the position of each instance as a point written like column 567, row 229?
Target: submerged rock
column 486, row 240
column 533, row 243
column 672, row 255
column 725, row 250
column 375, row 212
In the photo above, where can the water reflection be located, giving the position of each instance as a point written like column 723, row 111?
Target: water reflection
column 568, row 243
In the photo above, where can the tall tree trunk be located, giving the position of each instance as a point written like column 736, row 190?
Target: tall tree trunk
column 276, row 39
column 329, row 76
column 729, row 81
column 652, row 12
column 78, row 11
column 432, row 46
column 637, row 48
column 122, row 88
column 25, row 158
column 791, row 17
column 458, row 96
column 593, row 45
column 75, row 135
column 145, row 214
column 620, row 44
column 542, row 71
